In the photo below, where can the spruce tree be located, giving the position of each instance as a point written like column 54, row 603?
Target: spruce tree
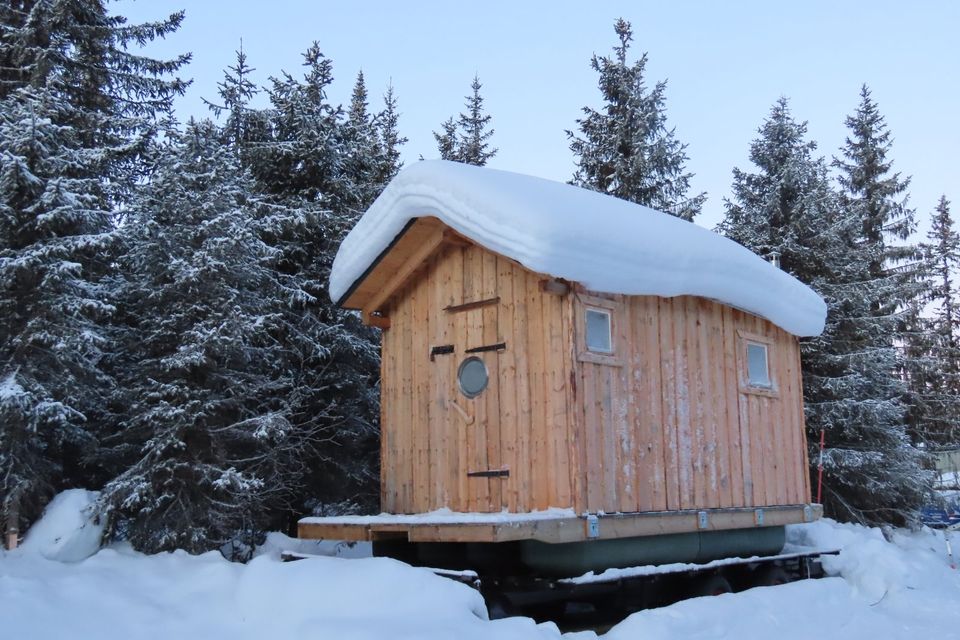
column 390, row 139
column 55, row 241
column 931, row 338
column 365, row 164
column 788, row 207
column 872, row 190
column 304, row 170
column 79, row 108
column 447, row 143
column 211, row 449
column 626, row 149
column 90, row 60
column 244, row 125
column 466, row 139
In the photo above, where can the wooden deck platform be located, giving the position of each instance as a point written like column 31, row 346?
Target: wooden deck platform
column 552, row 526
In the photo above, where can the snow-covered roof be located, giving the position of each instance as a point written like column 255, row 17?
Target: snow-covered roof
column 606, row 244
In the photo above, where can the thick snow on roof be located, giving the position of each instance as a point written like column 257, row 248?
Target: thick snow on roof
column 607, row 244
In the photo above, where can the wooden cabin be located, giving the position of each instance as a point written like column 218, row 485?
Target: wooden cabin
column 572, row 365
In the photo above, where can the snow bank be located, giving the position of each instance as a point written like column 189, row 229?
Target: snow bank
column 276, row 543
column 878, row 589
column 608, row 245
column 66, row 532
column 895, row 589
column 120, row 594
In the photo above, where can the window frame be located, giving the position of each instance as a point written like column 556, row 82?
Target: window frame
column 463, row 365
column 612, row 308
column 608, row 314
column 745, row 339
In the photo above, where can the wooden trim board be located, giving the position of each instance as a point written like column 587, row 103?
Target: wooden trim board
column 554, row 530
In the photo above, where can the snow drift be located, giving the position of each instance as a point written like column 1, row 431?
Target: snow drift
column 607, row 244
column 896, row 589
column 66, row 532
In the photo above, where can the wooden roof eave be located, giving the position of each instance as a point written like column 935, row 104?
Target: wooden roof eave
column 396, row 266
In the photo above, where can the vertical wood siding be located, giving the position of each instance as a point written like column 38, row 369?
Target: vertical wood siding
column 522, row 422
column 665, row 423
column 670, row 423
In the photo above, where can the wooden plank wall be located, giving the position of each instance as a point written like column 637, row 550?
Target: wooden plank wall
column 523, row 422
column 667, row 425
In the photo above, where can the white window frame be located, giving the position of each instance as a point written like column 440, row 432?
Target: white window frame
column 586, row 329
column 743, row 357
column 768, row 382
column 613, row 308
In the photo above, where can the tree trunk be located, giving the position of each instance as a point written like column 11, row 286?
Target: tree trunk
column 12, row 537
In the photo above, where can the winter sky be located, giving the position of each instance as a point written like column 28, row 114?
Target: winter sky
column 726, row 63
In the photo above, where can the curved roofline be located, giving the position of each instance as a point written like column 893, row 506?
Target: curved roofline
column 606, row 244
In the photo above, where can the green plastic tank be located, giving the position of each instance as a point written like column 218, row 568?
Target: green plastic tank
column 577, row 558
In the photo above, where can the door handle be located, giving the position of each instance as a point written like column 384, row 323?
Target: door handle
column 467, row 419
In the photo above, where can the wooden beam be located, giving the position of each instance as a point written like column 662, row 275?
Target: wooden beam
column 500, row 528
column 405, row 272
column 467, row 306
column 555, row 286
column 453, row 238
column 372, row 320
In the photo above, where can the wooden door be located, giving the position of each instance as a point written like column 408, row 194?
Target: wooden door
column 473, row 399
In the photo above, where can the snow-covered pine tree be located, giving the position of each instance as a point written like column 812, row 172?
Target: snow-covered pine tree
column 243, row 125
column 625, row 149
column 210, row 448
column 466, row 139
column 877, row 196
column 390, row 139
column 303, row 167
column 91, row 60
column 874, row 192
column 446, row 138
column 55, row 240
column 872, row 473
column 308, row 151
column 474, row 132
column 362, row 136
column 78, row 111
column 931, row 339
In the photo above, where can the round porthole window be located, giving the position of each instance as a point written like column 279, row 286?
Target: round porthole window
column 472, row 376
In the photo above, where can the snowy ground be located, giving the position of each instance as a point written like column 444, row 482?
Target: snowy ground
column 879, row 589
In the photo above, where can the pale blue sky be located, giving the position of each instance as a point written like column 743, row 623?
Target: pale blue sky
column 726, row 63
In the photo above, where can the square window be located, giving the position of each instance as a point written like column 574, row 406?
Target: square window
column 598, row 337
column 758, row 372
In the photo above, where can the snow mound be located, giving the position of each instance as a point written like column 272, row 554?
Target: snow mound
column 898, row 586
column 119, row 594
column 607, row 244
column 276, row 543
column 898, row 589
column 66, row 532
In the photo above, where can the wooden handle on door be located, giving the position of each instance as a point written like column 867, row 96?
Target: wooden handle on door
column 468, row 420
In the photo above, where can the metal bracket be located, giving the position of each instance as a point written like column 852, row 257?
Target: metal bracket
column 500, row 346
column 593, row 526
column 703, row 520
column 440, row 350
column 490, row 473
column 758, row 517
column 807, row 513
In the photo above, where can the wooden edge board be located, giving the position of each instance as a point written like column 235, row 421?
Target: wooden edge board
column 564, row 529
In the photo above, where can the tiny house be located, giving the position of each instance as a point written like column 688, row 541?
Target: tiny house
column 560, row 366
